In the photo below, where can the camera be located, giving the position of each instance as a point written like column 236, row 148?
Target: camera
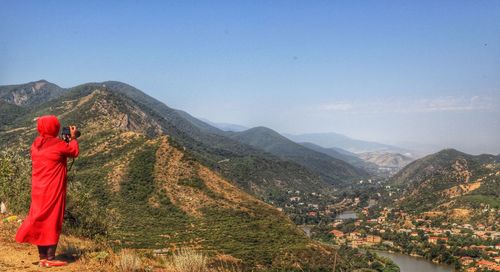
column 66, row 134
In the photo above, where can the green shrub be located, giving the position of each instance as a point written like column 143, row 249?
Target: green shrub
column 15, row 182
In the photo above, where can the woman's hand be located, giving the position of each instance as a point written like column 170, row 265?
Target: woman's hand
column 72, row 131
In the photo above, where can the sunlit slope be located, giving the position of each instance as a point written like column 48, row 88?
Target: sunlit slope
column 452, row 184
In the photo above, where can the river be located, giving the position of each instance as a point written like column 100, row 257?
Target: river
column 405, row 262
column 414, row 264
column 347, row 215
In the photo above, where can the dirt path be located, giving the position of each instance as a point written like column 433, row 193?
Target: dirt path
column 24, row 257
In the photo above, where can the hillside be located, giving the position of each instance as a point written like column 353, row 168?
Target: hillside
column 451, row 184
column 146, row 179
column 253, row 170
column 14, row 99
column 378, row 163
column 344, row 155
column 387, row 163
column 138, row 188
column 385, row 159
column 332, row 170
column 30, row 94
column 225, row 126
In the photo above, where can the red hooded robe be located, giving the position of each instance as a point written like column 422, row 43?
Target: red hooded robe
column 43, row 224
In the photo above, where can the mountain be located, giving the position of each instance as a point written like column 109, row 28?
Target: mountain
column 252, row 169
column 332, row 170
column 329, row 140
column 14, row 99
column 385, row 159
column 344, row 155
column 30, row 94
column 225, row 126
column 383, row 164
column 451, row 184
column 387, row 163
column 255, row 171
column 148, row 178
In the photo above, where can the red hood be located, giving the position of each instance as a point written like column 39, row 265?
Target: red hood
column 48, row 126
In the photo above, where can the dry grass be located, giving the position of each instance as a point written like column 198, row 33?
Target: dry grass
column 227, row 267
column 189, row 260
column 128, row 261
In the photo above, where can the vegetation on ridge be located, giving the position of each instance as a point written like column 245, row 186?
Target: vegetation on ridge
column 119, row 191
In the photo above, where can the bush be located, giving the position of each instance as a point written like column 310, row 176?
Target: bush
column 15, row 182
column 84, row 216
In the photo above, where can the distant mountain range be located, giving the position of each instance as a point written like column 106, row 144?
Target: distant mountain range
column 383, row 164
column 386, row 159
column 331, row 140
column 372, row 157
column 343, row 155
column 332, row 170
column 325, row 140
column 387, row 163
column 225, row 126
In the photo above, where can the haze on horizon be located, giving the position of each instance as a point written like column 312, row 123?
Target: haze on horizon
column 425, row 73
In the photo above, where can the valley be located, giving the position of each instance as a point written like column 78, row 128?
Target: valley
column 435, row 208
column 153, row 178
column 157, row 180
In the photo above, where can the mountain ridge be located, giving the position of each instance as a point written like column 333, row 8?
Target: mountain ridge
column 31, row 93
column 208, row 144
column 143, row 190
column 331, row 139
column 344, row 155
column 333, row 170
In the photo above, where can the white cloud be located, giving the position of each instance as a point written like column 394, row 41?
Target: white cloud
column 405, row 105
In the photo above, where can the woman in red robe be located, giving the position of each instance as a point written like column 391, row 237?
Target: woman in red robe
column 49, row 154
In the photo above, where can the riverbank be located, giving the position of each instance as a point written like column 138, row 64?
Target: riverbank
column 409, row 263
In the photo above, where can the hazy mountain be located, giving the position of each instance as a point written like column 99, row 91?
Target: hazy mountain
column 148, row 178
column 225, row 126
column 343, row 155
column 330, row 140
column 452, row 184
column 385, row 159
column 388, row 163
column 382, row 164
column 332, row 170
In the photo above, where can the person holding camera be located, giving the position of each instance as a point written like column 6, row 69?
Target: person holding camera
column 49, row 154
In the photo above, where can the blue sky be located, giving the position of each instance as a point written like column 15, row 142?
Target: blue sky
column 393, row 71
